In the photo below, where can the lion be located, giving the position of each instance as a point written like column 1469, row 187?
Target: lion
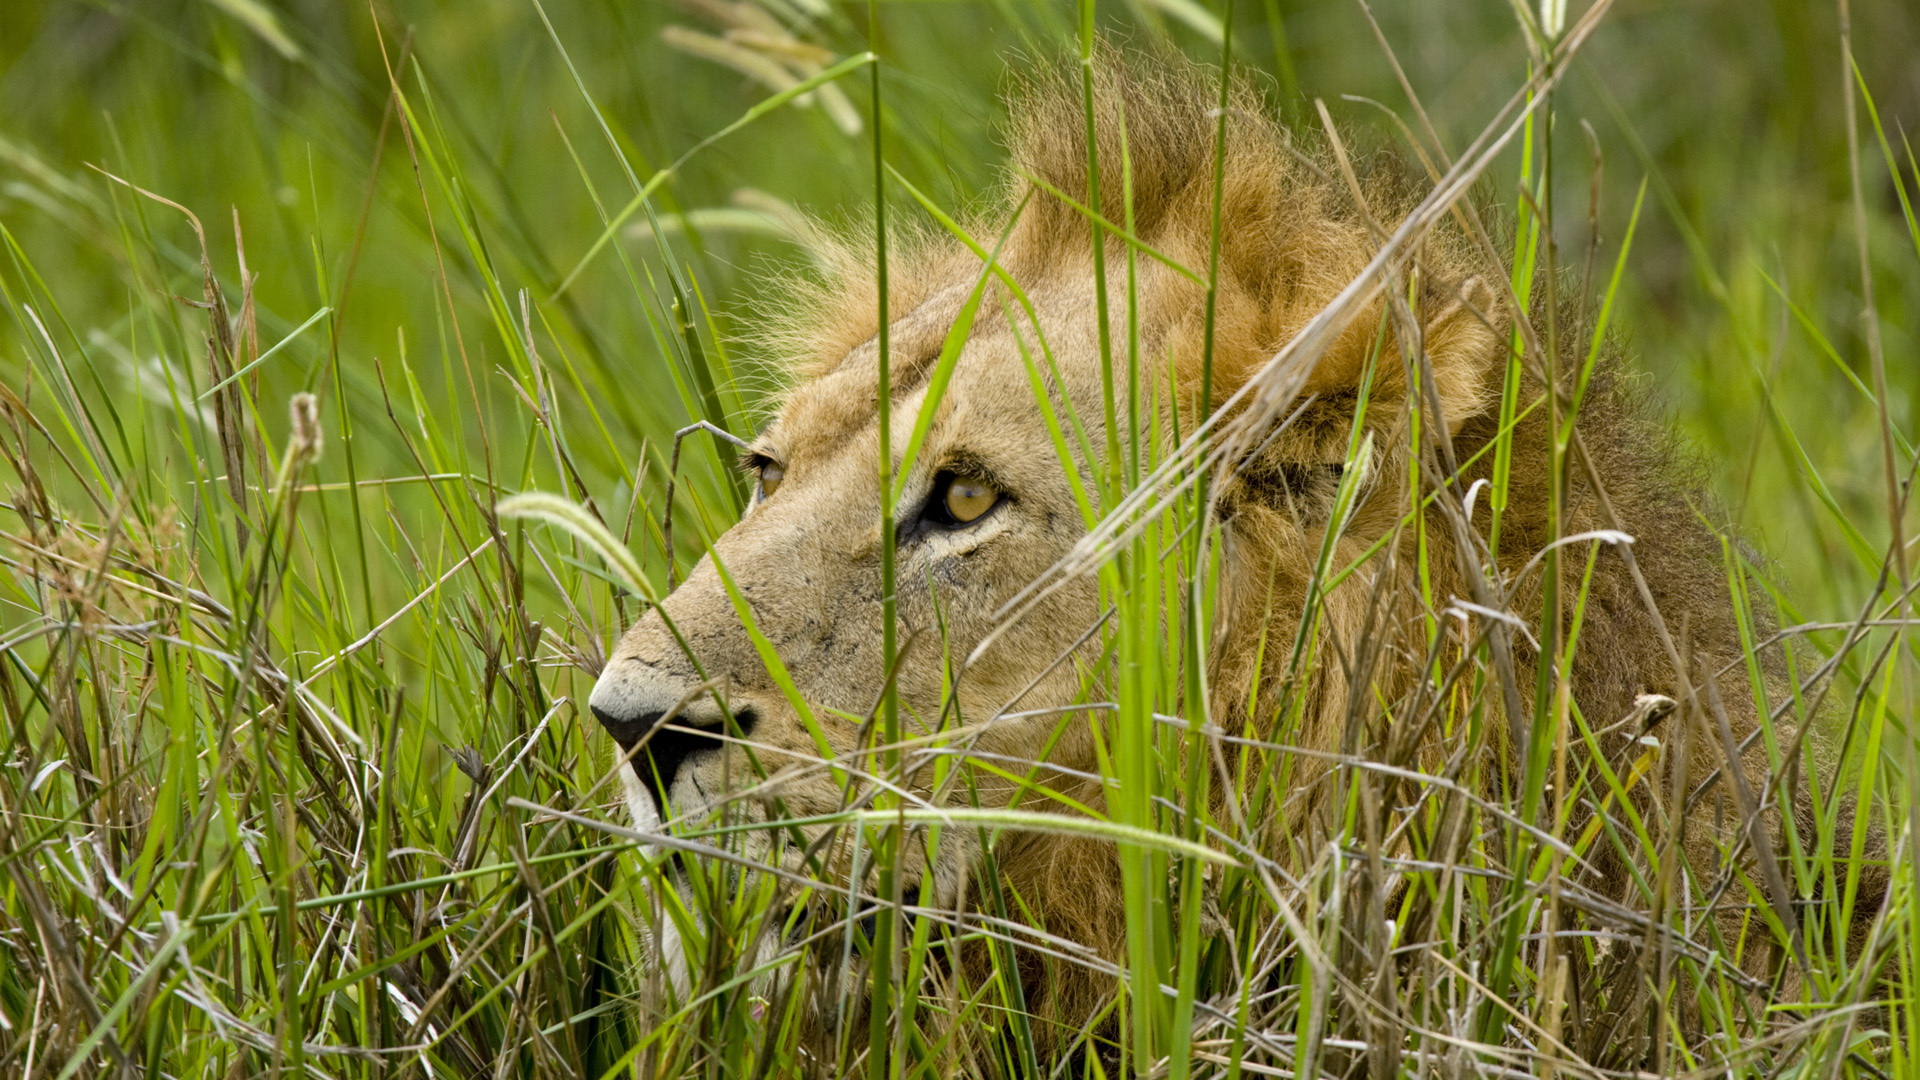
column 700, row 694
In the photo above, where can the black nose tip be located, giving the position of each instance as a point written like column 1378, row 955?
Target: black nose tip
column 670, row 744
column 625, row 731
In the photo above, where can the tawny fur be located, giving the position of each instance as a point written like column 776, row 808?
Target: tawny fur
column 1293, row 235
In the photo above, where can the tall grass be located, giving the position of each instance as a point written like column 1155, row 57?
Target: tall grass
column 301, row 297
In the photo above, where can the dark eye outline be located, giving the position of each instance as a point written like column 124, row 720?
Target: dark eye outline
column 757, row 463
column 935, row 514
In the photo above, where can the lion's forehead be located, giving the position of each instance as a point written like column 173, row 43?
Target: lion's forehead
column 822, row 417
column 988, row 396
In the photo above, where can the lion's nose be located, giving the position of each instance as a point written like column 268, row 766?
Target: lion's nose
column 635, row 705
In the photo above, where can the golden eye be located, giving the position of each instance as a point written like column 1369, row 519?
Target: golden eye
column 770, row 476
column 968, row 499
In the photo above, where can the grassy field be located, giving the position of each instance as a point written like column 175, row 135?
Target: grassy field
column 296, row 292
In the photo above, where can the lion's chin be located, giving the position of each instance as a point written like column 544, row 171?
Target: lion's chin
column 646, row 816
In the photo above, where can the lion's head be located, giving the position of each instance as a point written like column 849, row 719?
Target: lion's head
column 788, row 608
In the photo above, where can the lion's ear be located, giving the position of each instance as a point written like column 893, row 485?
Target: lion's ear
column 1283, row 262
column 1457, row 343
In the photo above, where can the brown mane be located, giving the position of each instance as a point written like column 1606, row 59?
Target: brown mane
column 1293, row 235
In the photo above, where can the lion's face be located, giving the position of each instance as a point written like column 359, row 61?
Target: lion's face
column 986, row 506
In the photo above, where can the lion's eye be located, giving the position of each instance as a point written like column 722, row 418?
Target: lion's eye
column 967, row 499
column 770, row 476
